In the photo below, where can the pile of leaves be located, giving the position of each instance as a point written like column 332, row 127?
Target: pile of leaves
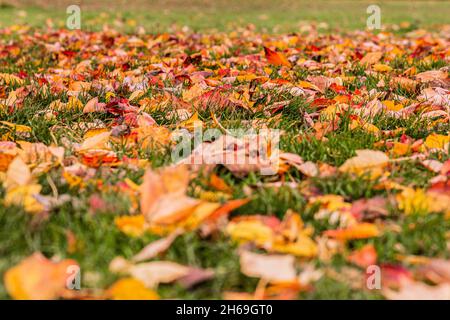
column 90, row 192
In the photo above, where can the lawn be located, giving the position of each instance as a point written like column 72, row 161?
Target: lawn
column 360, row 178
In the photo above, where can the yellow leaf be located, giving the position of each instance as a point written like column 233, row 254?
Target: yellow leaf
column 136, row 95
column 254, row 231
column 365, row 126
column 420, row 201
column 365, row 161
column 381, row 68
column 331, row 202
column 24, row 196
column 400, row 149
column 11, row 79
column 291, row 238
column 243, row 77
column 391, row 106
column 109, row 95
column 201, row 212
column 131, row 289
column 192, row 123
column 303, row 247
column 16, row 127
column 74, row 104
column 98, row 141
column 308, row 85
column 131, row 225
column 437, row 141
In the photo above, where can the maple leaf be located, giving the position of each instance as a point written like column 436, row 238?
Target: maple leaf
column 276, row 58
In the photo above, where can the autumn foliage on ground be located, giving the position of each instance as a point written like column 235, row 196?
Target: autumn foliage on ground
column 88, row 178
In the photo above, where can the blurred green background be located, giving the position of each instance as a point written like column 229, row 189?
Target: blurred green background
column 266, row 15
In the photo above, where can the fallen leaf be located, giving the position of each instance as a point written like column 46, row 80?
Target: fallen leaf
column 363, row 257
column 37, row 278
column 371, row 58
column 365, row 161
column 157, row 247
column 195, row 276
column 276, row 58
column 131, row 289
column 357, row 231
column 431, row 75
column 419, row 291
column 151, row 274
column 437, row 141
column 273, row 268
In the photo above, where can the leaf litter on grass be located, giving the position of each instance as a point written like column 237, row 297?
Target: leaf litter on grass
column 109, row 104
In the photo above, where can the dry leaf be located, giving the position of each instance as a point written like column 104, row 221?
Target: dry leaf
column 276, row 58
column 365, row 161
column 273, row 268
column 419, row 291
column 371, row 58
column 151, row 274
column 157, row 247
column 357, row 231
column 37, row 278
column 131, row 289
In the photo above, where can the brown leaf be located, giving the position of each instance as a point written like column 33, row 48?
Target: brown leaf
column 404, row 83
column 273, row 268
column 371, row 58
column 431, row 75
column 157, row 247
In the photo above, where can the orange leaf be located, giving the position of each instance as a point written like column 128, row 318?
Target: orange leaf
column 357, row 231
column 131, row 289
column 364, row 257
column 37, row 278
column 227, row 208
column 276, row 58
